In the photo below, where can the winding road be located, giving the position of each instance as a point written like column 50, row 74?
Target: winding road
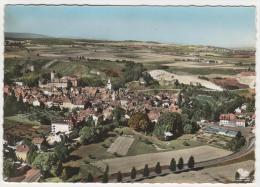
column 248, row 148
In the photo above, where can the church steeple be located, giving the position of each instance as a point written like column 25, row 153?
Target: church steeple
column 109, row 85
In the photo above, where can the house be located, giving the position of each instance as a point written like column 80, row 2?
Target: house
column 108, row 113
column 227, row 120
column 238, row 110
column 22, row 151
column 167, row 135
column 153, row 115
column 142, row 81
column 36, row 103
column 175, row 108
column 38, row 141
column 61, row 127
column 52, row 138
column 231, row 120
column 241, row 123
column 19, row 83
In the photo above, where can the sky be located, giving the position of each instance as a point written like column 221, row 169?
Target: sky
column 231, row 27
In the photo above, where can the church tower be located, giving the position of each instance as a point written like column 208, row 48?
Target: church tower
column 109, row 85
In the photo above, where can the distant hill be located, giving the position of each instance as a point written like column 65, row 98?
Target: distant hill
column 24, row 35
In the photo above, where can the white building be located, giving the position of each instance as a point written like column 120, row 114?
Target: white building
column 19, row 83
column 61, row 127
column 36, row 103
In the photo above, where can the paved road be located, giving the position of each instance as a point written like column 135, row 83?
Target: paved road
column 248, row 148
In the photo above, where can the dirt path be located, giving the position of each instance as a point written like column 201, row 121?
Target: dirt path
column 49, row 63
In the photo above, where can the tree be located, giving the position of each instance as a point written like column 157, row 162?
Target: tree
column 158, row 169
column 107, row 169
column 87, row 135
column 48, row 163
column 168, row 122
column 118, row 113
column 44, row 120
column 119, row 176
column 173, row 165
column 133, row 173
column 191, row 162
column 139, row 121
column 148, row 78
column 133, row 71
column 10, row 105
column 8, row 168
column 64, row 174
column 146, row 171
column 190, row 127
column 31, row 156
column 180, row 164
column 90, row 178
column 236, row 143
column 237, row 176
column 56, row 169
column 61, row 152
column 105, row 177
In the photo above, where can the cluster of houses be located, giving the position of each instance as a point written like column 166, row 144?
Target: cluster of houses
column 85, row 102
column 97, row 102
column 23, row 171
column 229, row 124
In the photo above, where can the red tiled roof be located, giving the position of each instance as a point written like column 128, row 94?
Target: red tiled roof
column 37, row 140
column 229, row 117
column 22, row 148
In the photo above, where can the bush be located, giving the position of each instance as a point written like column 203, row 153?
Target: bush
column 186, row 143
column 105, row 146
column 91, row 156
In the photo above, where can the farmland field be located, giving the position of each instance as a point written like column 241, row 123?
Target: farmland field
column 121, row 145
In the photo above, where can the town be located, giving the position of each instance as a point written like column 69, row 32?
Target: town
column 141, row 123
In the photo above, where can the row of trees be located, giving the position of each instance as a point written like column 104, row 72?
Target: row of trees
column 146, row 171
